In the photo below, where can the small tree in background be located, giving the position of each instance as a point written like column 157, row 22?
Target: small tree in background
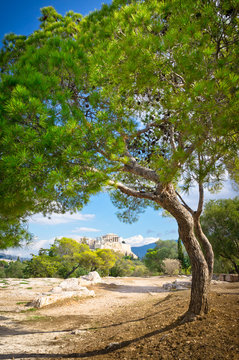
column 180, row 252
column 163, row 249
column 171, row 266
column 183, row 257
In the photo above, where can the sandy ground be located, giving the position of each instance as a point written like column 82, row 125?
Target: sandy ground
column 41, row 331
column 83, row 328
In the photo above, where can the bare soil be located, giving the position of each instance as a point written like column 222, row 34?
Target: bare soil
column 130, row 318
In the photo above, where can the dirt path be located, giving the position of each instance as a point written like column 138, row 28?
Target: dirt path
column 99, row 327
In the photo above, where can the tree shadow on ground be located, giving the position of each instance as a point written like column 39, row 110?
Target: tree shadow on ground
column 111, row 348
column 132, row 288
column 5, row 331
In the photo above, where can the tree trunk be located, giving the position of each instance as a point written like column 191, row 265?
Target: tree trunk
column 71, row 272
column 206, row 245
column 200, row 272
column 235, row 266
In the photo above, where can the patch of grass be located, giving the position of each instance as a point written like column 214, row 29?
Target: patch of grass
column 21, row 302
column 29, row 288
column 4, row 282
column 29, row 310
column 24, row 282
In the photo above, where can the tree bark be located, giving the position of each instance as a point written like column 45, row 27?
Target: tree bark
column 206, row 245
column 167, row 198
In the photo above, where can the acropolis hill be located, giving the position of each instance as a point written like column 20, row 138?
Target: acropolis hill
column 109, row 241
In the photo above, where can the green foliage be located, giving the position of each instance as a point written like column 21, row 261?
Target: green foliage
column 42, row 266
column 69, row 258
column 180, row 252
column 15, row 269
column 13, row 232
column 125, row 266
column 131, row 98
column 220, row 222
column 12, row 269
column 3, row 266
column 183, row 257
column 108, row 259
column 164, row 249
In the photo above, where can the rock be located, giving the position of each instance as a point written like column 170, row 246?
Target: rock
column 93, row 277
column 177, row 285
column 50, row 298
column 71, row 284
column 57, row 290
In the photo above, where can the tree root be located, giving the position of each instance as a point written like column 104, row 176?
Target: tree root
column 189, row 317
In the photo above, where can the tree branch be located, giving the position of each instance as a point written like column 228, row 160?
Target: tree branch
column 201, row 199
column 134, row 168
column 185, row 204
column 172, row 139
column 132, row 192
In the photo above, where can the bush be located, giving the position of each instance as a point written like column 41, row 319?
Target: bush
column 2, row 273
column 171, row 266
column 126, row 266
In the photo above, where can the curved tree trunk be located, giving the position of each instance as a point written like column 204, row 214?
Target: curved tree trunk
column 200, row 271
column 206, row 245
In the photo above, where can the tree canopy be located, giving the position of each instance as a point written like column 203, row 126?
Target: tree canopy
column 137, row 98
column 67, row 257
column 164, row 249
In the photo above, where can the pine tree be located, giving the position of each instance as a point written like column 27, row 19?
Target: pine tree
column 137, row 99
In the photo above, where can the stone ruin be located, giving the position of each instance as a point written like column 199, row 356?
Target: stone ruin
column 69, row 288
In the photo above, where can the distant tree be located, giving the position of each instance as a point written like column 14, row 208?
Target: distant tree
column 183, row 257
column 66, row 252
column 108, row 259
column 163, row 249
column 154, row 257
column 15, row 269
column 180, row 252
column 167, row 244
column 220, row 221
column 122, row 267
column 3, row 266
column 67, row 257
column 67, row 247
column 42, row 265
column 125, row 266
column 89, row 260
column 171, row 266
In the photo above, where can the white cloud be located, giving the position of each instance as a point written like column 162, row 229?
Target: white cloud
column 33, row 248
column 139, row 240
column 84, row 229
column 36, row 246
column 54, row 219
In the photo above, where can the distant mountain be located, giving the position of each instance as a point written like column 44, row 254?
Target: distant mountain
column 11, row 257
column 140, row 251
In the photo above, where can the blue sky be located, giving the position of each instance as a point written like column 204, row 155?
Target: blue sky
column 98, row 217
